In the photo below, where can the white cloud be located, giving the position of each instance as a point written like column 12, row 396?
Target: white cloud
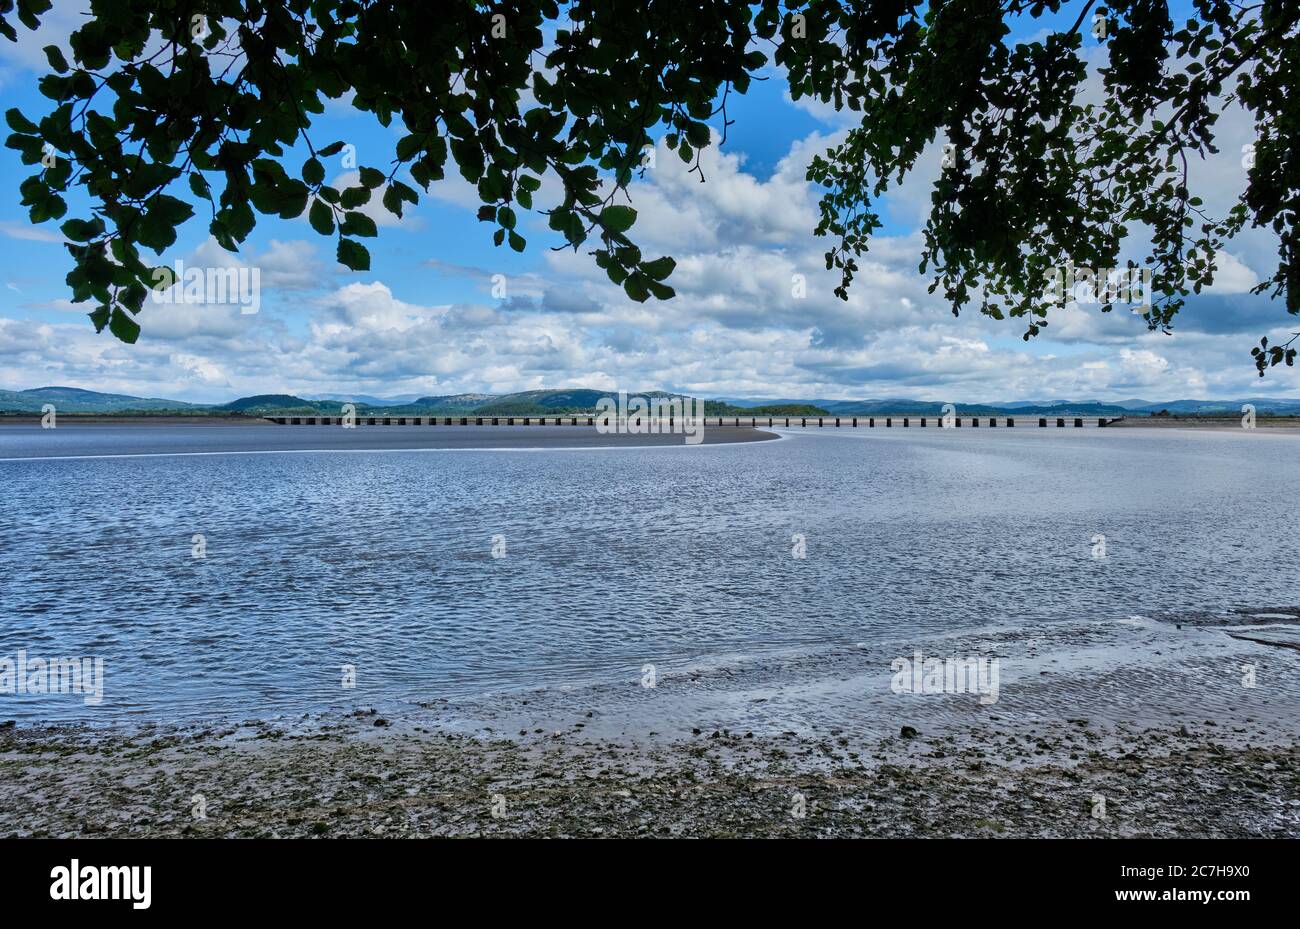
column 736, row 327
column 29, row 233
column 18, row 60
column 1231, row 276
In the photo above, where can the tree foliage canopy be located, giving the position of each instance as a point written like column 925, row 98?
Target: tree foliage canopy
column 169, row 105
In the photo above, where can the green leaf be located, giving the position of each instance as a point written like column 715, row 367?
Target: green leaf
column 83, row 230
column 405, row 192
column 659, row 269
column 354, row 196
column 698, row 134
column 313, row 172
column 54, row 56
column 353, row 255
column 635, row 287
column 358, row 224
column 321, row 217
column 660, row 291
column 617, row 218
column 408, row 147
column 123, row 326
column 292, row 199
column 171, row 209
column 20, row 123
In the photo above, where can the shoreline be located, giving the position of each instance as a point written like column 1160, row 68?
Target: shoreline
column 362, row 779
column 1159, row 749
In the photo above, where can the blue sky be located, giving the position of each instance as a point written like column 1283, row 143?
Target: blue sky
column 424, row 320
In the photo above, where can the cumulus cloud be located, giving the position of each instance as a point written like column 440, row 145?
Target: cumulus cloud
column 754, row 316
column 285, row 266
column 20, row 59
column 1231, row 276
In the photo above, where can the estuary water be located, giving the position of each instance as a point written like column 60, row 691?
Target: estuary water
column 240, row 584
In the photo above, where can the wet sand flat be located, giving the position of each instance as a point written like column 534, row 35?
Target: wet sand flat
column 1205, row 422
column 73, row 440
column 1182, row 754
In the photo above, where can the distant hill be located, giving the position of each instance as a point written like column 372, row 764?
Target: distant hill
column 76, row 400
column 524, row 403
column 548, row 402
column 1132, row 408
column 904, row 407
column 367, row 399
column 581, row 400
column 719, row 408
column 748, row 403
column 1281, row 407
column 453, row 402
column 266, row 404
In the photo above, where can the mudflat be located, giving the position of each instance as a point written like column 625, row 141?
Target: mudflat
column 358, row 777
column 138, row 438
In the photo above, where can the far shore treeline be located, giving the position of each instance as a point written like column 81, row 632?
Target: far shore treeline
column 72, row 400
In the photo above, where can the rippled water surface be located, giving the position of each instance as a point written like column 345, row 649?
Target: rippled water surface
column 614, row 558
